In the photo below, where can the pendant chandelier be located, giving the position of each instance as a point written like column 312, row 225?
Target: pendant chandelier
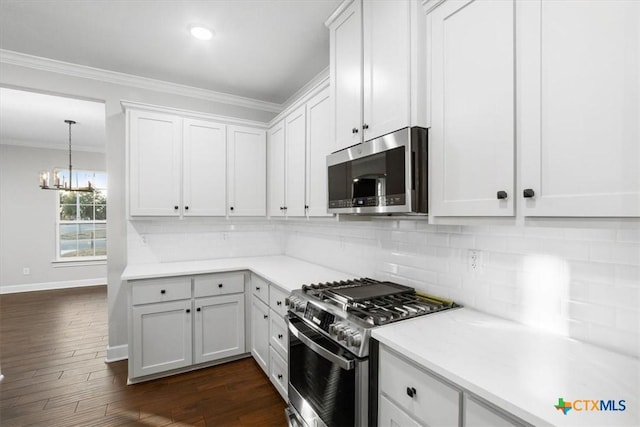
column 64, row 185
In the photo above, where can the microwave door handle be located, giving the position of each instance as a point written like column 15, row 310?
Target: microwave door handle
column 345, row 364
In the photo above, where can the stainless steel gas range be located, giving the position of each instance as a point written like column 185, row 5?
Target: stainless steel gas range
column 330, row 369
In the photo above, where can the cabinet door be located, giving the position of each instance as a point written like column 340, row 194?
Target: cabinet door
column 162, row 337
column 295, row 135
column 247, row 171
column 472, row 138
column 319, row 145
column 260, row 333
column 387, row 57
column 580, row 106
column 219, row 327
column 154, row 164
column 392, row 416
column 276, row 166
column 204, row 170
column 346, row 76
column 279, row 374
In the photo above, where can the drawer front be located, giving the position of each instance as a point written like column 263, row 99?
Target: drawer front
column 160, row 290
column 276, row 300
column 279, row 335
column 279, row 374
column 209, row 285
column 418, row 393
column 260, row 288
column 392, row 416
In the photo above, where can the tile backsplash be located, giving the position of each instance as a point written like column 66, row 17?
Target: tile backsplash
column 579, row 282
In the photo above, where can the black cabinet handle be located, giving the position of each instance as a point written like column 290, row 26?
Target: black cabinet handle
column 175, row 207
column 266, row 316
column 198, row 309
column 502, row 195
column 186, row 208
column 278, row 302
column 306, row 206
column 257, row 288
column 365, row 126
column 279, row 336
column 411, row 392
column 220, row 285
column 162, row 291
column 231, row 208
column 281, row 208
column 188, row 310
column 285, row 208
column 279, row 376
column 528, row 193
column 354, row 130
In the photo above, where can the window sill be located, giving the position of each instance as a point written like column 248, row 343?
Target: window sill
column 78, row 263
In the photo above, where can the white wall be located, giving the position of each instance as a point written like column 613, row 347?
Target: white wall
column 579, row 282
column 27, row 226
column 39, row 78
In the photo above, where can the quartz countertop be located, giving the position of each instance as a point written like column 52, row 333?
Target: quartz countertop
column 518, row 368
column 285, row 272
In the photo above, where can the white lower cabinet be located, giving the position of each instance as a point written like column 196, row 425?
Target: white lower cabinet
column 162, row 337
column 278, row 373
column 392, row 416
column 415, row 392
column 260, row 332
column 178, row 322
column 219, row 327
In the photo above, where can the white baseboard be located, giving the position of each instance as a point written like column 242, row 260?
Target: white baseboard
column 30, row 287
column 117, row 352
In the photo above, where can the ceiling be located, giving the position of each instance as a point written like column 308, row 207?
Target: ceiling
column 262, row 49
column 37, row 120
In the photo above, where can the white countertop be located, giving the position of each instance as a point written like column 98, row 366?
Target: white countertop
column 285, row 272
column 519, row 369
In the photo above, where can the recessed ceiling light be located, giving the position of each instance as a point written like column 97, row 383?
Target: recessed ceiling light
column 201, row 33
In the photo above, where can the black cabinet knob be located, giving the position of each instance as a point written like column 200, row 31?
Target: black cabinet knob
column 162, row 291
column 257, row 288
column 175, row 207
column 281, row 208
column 198, row 309
column 220, row 285
column 278, row 302
column 528, row 193
column 188, row 310
column 502, row 195
column 354, row 130
column 186, row 208
column 411, row 392
column 285, row 208
column 231, row 208
column 279, row 376
column 279, row 336
column 266, row 316
column 365, row 126
column 306, row 206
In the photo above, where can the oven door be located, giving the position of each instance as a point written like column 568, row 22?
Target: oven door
column 328, row 385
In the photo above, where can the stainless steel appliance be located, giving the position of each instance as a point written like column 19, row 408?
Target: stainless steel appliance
column 386, row 175
column 329, row 346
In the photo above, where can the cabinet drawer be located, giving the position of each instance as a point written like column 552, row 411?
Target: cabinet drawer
column 209, row 285
column 260, row 288
column 279, row 335
column 278, row 373
column 392, row 416
column 418, row 393
column 276, row 300
column 160, row 290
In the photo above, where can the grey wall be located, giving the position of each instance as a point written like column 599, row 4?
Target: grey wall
column 112, row 94
column 27, row 226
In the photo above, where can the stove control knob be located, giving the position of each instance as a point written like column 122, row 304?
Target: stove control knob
column 354, row 339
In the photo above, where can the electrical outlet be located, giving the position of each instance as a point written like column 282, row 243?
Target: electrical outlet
column 26, row 271
column 474, row 260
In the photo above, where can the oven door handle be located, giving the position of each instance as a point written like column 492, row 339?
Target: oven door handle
column 345, row 364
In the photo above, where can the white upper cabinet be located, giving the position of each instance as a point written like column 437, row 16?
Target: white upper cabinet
column 472, row 139
column 276, row 171
column 155, row 142
column 377, row 60
column 295, row 146
column 247, row 163
column 580, row 107
column 204, row 168
column 319, row 145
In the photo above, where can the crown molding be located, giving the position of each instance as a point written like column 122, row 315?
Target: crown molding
column 321, row 78
column 337, row 12
column 320, row 82
column 75, row 70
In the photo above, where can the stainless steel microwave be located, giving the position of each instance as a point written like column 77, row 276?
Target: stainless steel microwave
column 386, row 175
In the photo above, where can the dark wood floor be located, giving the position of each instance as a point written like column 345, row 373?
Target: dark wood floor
column 52, row 350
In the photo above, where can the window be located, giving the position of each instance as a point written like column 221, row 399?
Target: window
column 82, row 219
